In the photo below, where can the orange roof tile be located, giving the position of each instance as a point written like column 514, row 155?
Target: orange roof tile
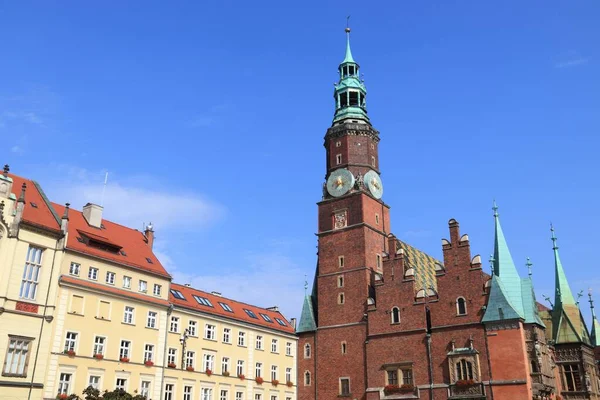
column 237, row 308
column 37, row 210
column 113, row 290
column 135, row 251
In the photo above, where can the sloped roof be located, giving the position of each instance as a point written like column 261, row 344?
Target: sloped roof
column 307, row 318
column 237, row 308
column 530, row 308
column 595, row 336
column 135, row 251
column 37, row 210
column 499, row 307
column 424, row 265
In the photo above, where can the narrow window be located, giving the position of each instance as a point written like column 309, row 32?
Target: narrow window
column 171, row 357
column 64, row 383
column 373, row 161
column 407, row 376
column 464, row 370
column 192, row 328
column 258, row 342
column 344, row 346
column 376, row 219
column 274, row 346
column 341, row 261
column 344, row 387
column 190, row 357
column 344, row 99
column 148, row 352
column 395, row 315
column 340, row 281
column 341, row 298
column 353, row 98
column 258, row 370
column 124, row 349
column 31, row 274
column 307, row 350
column 307, row 378
column 338, row 159
column 273, row 373
column 288, row 349
column 226, row 335
column 225, row 364
column 241, row 338
column 428, row 319
column 288, row 374
column 378, row 262
column 392, row 377
column 74, row 269
column 461, row 306
column 174, row 326
column 240, row 368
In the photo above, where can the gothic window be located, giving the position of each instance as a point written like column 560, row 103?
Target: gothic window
column 464, row 370
column 307, row 378
column 571, row 377
column 461, row 306
column 395, row 315
column 307, row 350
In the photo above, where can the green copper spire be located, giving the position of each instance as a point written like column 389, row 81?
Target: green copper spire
column 532, row 314
column 350, row 92
column 595, row 336
column 568, row 325
column 504, row 267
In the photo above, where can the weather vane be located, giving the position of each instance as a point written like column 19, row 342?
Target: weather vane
column 348, row 24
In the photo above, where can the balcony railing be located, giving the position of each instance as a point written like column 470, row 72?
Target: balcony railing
column 476, row 391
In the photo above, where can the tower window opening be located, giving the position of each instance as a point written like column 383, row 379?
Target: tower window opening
column 340, row 281
column 345, row 71
column 344, row 99
column 351, row 70
column 395, row 315
column 341, row 298
column 353, row 98
column 343, row 347
column 373, row 161
column 341, row 261
column 338, row 159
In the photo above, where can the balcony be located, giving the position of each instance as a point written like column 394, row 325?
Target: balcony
column 459, row 392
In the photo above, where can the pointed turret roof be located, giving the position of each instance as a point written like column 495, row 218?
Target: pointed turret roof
column 504, row 267
column 595, row 335
column 499, row 306
column 568, row 325
column 348, row 58
column 307, row 318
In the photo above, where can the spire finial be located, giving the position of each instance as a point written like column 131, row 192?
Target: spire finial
column 554, row 245
column 495, row 208
column 348, row 25
column 305, row 285
column 529, row 264
column 591, row 303
column 492, row 263
column 579, row 295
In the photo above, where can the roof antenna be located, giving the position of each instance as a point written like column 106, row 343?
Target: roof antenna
column 104, row 189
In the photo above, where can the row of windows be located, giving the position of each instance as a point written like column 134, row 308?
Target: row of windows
column 66, row 380
column 204, row 301
column 210, row 333
column 308, row 349
column 110, row 279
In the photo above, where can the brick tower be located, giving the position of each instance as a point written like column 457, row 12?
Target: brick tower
column 352, row 232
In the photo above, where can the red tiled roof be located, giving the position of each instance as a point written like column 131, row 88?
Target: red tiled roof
column 237, row 307
column 112, row 290
column 42, row 215
column 132, row 242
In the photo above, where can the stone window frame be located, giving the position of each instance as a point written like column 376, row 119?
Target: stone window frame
column 472, row 357
column 341, row 261
column 340, row 281
column 26, row 340
column 341, row 298
column 400, row 368
column 307, row 350
column 393, row 320
column 307, row 378
column 341, row 394
column 464, row 302
column 344, row 347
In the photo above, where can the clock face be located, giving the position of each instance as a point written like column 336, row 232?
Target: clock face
column 340, row 182
column 373, row 182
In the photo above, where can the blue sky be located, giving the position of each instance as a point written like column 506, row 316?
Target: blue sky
column 210, row 116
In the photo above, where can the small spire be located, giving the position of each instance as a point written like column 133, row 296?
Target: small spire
column 6, row 169
column 529, row 264
column 554, row 238
column 591, row 303
column 348, row 58
column 22, row 195
column 495, row 209
column 66, row 213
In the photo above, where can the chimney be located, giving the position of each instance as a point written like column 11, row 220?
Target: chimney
column 93, row 214
column 64, row 225
column 19, row 207
column 149, row 232
column 293, row 322
column 216, row 294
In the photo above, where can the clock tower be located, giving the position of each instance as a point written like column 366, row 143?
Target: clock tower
column 352, row 236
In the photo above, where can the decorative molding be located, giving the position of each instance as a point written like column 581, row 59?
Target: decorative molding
column 27, row 307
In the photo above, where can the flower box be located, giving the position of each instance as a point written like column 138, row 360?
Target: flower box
column 289, row 383
column 171, row 365
column 148, row 363
column 62, row 396
column 259, row 380
column 274, row 382
column 225, row 373
column 124, row 359
column 465, row 383
column 406, row 388
column 389, row 389
column 241, row 376
column 70, row 353
column 189, row 368
column 208, row 372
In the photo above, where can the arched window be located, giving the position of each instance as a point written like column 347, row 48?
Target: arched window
column 307, row 378
column 395, row 315
column 307, row 350
column 464, row 370
column 461, row 306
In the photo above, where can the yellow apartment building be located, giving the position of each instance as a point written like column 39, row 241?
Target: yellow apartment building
column 85, row 302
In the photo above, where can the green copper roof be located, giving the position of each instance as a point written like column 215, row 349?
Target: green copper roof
column 595, row 335
column 504, row 268
column 307, row 318
column 568, row 325
column 532, row 315
column 499, row 306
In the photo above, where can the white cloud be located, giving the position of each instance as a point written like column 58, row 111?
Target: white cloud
column 16, row 150
column 572, row 63
column 22, row 116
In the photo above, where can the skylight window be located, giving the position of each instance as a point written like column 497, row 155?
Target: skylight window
column 149, row 260
column 280, row 322
column 123, row 253
column 226, row 307
column 177, row 294
column 250, row 313
column 266, row 317
column 34, row 205
column 203, row 301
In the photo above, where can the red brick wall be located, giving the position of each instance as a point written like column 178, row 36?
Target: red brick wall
column 354, row 150
column 306, row 364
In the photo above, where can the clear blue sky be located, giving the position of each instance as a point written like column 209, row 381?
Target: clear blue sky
column 210, row 116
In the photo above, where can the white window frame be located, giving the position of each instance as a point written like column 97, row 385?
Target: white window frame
column 458, row 307
column 258, row 342
column 129, row 315
column 190, row 359
column 224, row 364
column 110, row 277
column 224, row 394
column 145, row 388
column 193, row 328
column 64, row 382
column 157, row 289
column 121, row 383
column 148, row 352
column 188, row 392
column 151, row 319
column 125, row 349
column 99, row 345
column 274, row 372
column 71, row 339
column 74, row 269
column 93, row 273
column 239, row 368
column 210, row 332
column 288, row 374
column 208, row 361
column 169, row 391
column 206, row 394
column 172, row 355
column 288, row 348
column 17, row 356
column 95, row 385
column 127, row 282
column 242, row 338
column 258, row 370
column 274, row 346
column 143, row 286
column 31, row 273
column 174, row 323
column 226, row 335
